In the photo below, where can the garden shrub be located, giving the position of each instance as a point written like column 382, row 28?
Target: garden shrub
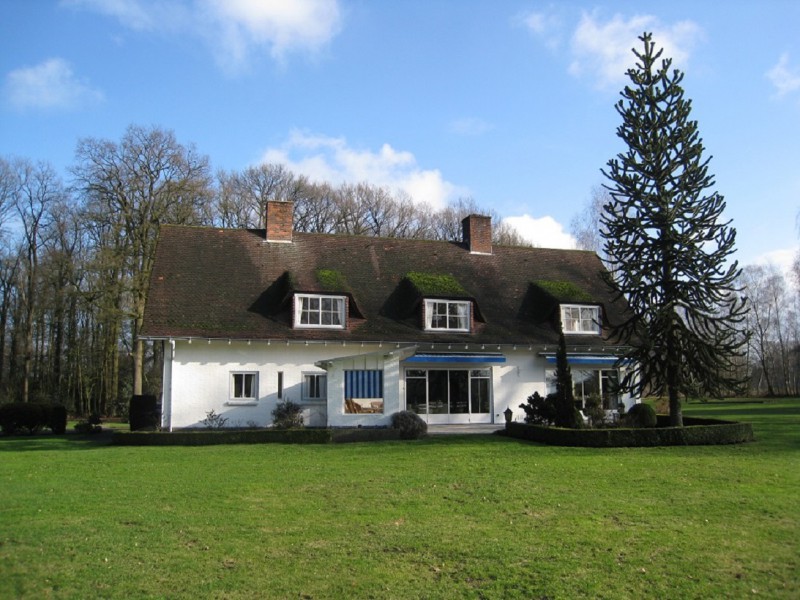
column 641, row 415
column 410, row 425
column 595, row 411
column 213, row 420
column 539, row 410
column 287, row 415
column 144, row 413
column 87, row 427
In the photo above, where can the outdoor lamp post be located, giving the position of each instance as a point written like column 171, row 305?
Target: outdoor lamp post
column 508, row 413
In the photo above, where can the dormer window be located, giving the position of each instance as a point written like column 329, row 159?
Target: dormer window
column 580, row 319
column 319, row 311
column 447, row 315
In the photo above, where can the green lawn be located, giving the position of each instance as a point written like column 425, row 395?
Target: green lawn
column 447, row 517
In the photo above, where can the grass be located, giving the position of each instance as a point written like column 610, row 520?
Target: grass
column 448, row 517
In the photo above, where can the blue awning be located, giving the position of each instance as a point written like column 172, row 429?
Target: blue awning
column 457, row 357
column 585, row 359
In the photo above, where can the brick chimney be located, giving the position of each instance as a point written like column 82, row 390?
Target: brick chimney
column 278, row 221
column 477, row 234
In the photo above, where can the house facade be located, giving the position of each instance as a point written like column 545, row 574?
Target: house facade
column 356, row 328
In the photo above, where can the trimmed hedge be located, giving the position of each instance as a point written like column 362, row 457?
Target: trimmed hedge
column 144, row 413
column 209, row 437
column 28, row 417
column 695, row 432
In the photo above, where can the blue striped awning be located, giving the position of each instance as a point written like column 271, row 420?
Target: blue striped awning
column 363, row 384
column 585, row 359
column 457, row 357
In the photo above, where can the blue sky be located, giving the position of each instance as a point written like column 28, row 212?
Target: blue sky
column 510, row 103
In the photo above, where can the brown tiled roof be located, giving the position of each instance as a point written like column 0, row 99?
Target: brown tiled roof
column 230, row 283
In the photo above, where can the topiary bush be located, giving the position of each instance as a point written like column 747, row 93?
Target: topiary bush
column 23, row 417
column 57, row 419
column 641, row 415
column 287, row 415
column 144, row 413
column 410, row 425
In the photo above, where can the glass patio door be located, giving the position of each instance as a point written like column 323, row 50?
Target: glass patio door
column 443, row 396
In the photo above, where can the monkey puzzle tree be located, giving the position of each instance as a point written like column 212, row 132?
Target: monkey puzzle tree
column 667, row 246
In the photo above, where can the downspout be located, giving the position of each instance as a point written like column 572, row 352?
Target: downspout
column 166, row 392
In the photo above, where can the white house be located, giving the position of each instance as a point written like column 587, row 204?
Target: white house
column 356, row 328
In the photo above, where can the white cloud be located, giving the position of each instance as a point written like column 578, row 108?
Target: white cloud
column 785, row 78
column 783, row 259
column 543, row 232
column 470, row 126
column 235, row 30
column 130, row 13
column 547, row 26
column 243, row 27
column 49, row 85
column 332, row 160
column 601, row 50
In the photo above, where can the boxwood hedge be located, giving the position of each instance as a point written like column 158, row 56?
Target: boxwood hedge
column 204, row 437
column 695, row 432
column 29, row 417
column 208, row 437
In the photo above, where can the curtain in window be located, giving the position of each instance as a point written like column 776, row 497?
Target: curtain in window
column 363, row 384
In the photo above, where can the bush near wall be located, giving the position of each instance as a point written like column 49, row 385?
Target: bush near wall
column 28, row 417
column 695, row 432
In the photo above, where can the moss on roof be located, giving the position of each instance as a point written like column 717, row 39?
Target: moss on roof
column 563, row 291
column 434, row 284
column 332, row 281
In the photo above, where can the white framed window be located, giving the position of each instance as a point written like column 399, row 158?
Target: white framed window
column 244, row 387
column 315, row 386
column 447, row 315
column 314, row 310
column 576, row 318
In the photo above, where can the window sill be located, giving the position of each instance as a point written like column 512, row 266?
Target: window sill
column 241, row 403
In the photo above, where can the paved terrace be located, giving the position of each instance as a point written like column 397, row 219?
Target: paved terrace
column 468, row 428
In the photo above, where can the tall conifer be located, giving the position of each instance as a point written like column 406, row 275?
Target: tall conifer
column 668, row 247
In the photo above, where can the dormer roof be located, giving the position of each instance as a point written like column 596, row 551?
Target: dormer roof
column 231, row 283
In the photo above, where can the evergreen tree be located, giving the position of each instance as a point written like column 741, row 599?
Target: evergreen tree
column 668, row 248
column 565, row 399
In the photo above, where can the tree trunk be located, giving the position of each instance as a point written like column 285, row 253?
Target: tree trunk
column 138, row 366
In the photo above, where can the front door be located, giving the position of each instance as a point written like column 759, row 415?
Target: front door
column 443, row 396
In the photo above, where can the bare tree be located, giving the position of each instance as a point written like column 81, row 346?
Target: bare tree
column 146, row 180
column 586, row 226
column 761, row 321
column 36, row 191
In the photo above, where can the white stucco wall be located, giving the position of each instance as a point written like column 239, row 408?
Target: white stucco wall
column 197, row 379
